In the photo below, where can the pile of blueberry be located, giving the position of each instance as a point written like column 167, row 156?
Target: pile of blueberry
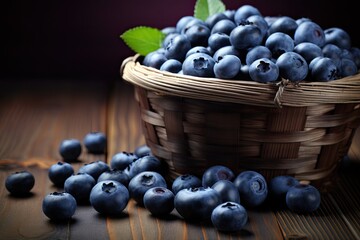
column 219, row 196
column 243, row 44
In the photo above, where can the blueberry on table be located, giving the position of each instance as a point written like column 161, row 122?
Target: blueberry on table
column 229, row 217
column 79, row 186
column 227, row 190
column 70, row 149
column 109, row 197
column 146, row 163
column 303, row 198
column 159, row 201
column 59, row 206
column 196, row 204
column 115, row 175
column 20, row 183
column 94, row 168
column 252, row 187
column 95, row 142
column 142, row 150
column 142, row 182
column 216, row 173
column 59, row 172
column 121, row 160
column 185, row 181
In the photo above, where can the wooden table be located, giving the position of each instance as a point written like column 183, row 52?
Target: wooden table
column 35, row 116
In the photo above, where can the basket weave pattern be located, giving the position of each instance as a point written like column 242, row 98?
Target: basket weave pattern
column 192, row 123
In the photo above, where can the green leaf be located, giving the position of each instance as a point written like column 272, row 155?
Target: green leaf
column 142, row 39
column 206, row 8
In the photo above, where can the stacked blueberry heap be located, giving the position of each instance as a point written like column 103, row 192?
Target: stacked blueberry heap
column 245, row 45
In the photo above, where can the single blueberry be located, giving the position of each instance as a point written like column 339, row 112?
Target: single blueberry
column 20, row 183
column 59, row 172
column 142, row 150
column 199, row 64
column 224, row 26
column 94, row 168
column 171, row 65
column 79, row 186
column 198, row 35
column 338, row 36
column 146, row 163
column 215, row 173
column 292, row 66
column 185, row 181
column 323, row 69
column 227, row 67
column 284, row 24
column 279, row 43
column 303, row 198
column 229, row 217
column 309, row 31
column 177, row 48
column 308, row 51
column 226, row 50
column 246, row 36
column 154, row 59
column 59, row 206
column 264, row 70
column 95, row 142
column 159, row 201
column 244, row 12
column 70, row 149
column 122, row 159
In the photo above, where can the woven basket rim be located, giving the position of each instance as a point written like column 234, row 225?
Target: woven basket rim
column 281, row 93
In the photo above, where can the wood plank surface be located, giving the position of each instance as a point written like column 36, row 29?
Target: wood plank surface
column 35, row 116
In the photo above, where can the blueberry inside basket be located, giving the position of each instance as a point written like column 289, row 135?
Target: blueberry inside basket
column 192, row 123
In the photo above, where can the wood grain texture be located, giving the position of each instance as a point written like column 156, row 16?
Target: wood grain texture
column 35, row 117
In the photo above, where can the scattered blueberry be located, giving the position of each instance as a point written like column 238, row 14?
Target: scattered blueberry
column 142, row 182
column 146, row 163
column 94, row 168
column 142, row 150
column 79, row 186
column 185, row 181
column 109, row 197
column 121, row 160
column 303, row 198
column 95, row 142
column 159, row 201
column 59, row 172
column 215, row 173
column 70, row 149
column 196, row 204
column 252, row 187
column 59, row 206
column 229, row 217
column 20, row 183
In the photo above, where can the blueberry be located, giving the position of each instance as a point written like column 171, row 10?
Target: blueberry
column 142, row 182
column 193, row 22
column 142, row 150
column 95, row 142
column 292, row 66
column 263, row 70
column 199, row 64
column 227, row 50
column 185, row 181
column 308, row 51
column 284, row 24
column 246, row 36
column 159, row 201
column 196, row 204
column 244, row 12
column 279, row 186
column 227, row 190
column 214, row 18
column 146, row 163
column 309, row 31
column 215, row 173
column 79, row 186
column 70, row 149
column 323, row 69
column 59, row 206
column 227, row 67
column 166, row 41
column 20, row 183
column 197, row 49
column 154, row 59
column 168, row 30
column 252, row 187
column 109, row 197
column 229, row 217
column 94, row 168
column 224, row 26
column 338, row 36
column 115, row 175
column 182, row 22
column 260, row 22
column 218, row 40
column 59, row 172
column 177, row 48
column 333, row 52
column 279, row 43
column 347, row 67
column 303, row 198
column 198, row 35
column 121, row 160
column 256, row 53
column 171, row 65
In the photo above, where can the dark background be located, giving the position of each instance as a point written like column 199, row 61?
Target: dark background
column 80, row 39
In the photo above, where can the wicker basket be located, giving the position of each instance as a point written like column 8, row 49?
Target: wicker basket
column 191, row 123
